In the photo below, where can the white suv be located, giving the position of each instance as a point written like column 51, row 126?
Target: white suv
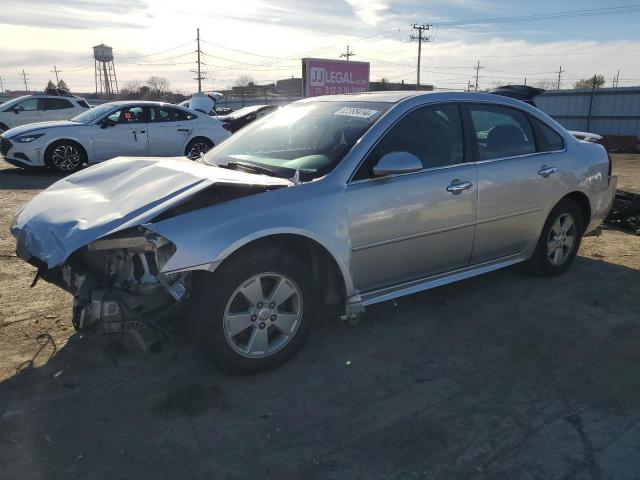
column 39, row 108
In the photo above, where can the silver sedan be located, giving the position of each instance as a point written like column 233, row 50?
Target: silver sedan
column 338, row 201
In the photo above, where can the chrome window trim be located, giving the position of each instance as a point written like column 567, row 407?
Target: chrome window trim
column 479, row 162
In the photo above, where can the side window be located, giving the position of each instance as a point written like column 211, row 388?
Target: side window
column 548, row 139
column 168, row 114
column 83, row 103
column 432, row 133
column 27, row 105
column 56, row 104
column 501, row 132
column 128, row 115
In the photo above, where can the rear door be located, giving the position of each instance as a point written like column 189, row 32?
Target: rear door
column 414, row 225
column 517, row 179
column 58, row 109
column 125, row 136
column 169, row 129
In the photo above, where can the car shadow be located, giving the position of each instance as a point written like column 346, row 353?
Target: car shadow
column 15, row 178
column 496, row 376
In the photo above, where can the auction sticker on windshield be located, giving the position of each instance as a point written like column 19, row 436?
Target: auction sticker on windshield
column 356, row 112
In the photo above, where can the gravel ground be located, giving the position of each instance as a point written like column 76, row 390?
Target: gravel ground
column 501, row 376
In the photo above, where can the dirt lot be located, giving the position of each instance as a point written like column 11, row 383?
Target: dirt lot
column 502, row 376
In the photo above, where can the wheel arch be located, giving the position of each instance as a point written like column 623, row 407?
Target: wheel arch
column 331, row 275
column 582, row 201
column 83, row 149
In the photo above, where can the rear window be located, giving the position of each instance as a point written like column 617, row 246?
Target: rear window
column 83, row 103
column 548, row 139
column 56, row 104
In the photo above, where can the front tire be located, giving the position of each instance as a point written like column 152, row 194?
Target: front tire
column 64, row 156
column 255, row 311
column 198, row 147
column 559, row 241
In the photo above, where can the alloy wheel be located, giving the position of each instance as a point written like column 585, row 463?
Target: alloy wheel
column 562, row 236
column 197, row 150
column 66, row 158
column 263, row 315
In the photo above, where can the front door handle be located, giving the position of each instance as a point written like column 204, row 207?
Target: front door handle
column 547, row 171
column 183, row 129
column 457, row 187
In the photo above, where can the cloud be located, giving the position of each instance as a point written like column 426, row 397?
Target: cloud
column 73, row 14
column 369, row 11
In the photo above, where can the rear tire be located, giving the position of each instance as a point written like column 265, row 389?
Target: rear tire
column 559, row 241
column 197, row 147
column 64, row 156
column 255, row 311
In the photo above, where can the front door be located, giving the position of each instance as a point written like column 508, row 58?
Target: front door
column 409, row 226
column 517, row 179
column 124, row 135
column 169, row 129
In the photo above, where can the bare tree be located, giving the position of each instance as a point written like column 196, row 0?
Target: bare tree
column 131, row 90
column 596, row 80
column 545, row 84
column 159, row 87
column 243, row 82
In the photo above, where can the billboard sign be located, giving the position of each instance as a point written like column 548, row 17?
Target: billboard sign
column 328, row 77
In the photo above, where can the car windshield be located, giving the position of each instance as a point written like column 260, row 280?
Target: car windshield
column 309, row 137
column 93, row 113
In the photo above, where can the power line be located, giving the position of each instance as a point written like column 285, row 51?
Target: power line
column 420, row 38
column 547, row 16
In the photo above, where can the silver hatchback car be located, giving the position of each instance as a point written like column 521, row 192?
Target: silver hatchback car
column 334, row 201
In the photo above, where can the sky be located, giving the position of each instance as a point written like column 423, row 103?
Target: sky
column 266, row 40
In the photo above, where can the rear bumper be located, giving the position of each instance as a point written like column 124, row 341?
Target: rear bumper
column 601, row 203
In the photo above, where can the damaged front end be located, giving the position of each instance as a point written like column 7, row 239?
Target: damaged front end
column 118, row 286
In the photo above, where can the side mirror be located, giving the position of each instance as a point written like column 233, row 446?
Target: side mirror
column 395, row 163
column 17, row 109
column 107, row 123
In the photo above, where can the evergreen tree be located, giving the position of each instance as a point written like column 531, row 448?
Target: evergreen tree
column 62, row 86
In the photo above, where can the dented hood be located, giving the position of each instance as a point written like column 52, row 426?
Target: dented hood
column 112, row 196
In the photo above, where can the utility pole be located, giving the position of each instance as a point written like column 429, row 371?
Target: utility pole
column 56, row 71
column 419, row 38
column 559, row 72
column 24, row 79
column 468, row 85
column 477, row 68
column 199, row 72
column 525, row 81
column 1, row 85
column 348, row 54
column 616, row 79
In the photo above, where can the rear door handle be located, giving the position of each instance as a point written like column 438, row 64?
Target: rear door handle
column 547, row 171
column 183, row 129
column 457, row 187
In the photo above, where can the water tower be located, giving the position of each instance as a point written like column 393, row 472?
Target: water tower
column 105, row 70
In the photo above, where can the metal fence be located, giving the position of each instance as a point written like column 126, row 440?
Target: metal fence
column 606, row 111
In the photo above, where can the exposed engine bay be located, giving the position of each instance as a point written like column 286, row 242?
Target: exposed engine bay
column 117, row 284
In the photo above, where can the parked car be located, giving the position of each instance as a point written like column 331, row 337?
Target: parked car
column 113, row 129
column 527, row 94
column 39, row 108
column 337, row 201
column 238, row 119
